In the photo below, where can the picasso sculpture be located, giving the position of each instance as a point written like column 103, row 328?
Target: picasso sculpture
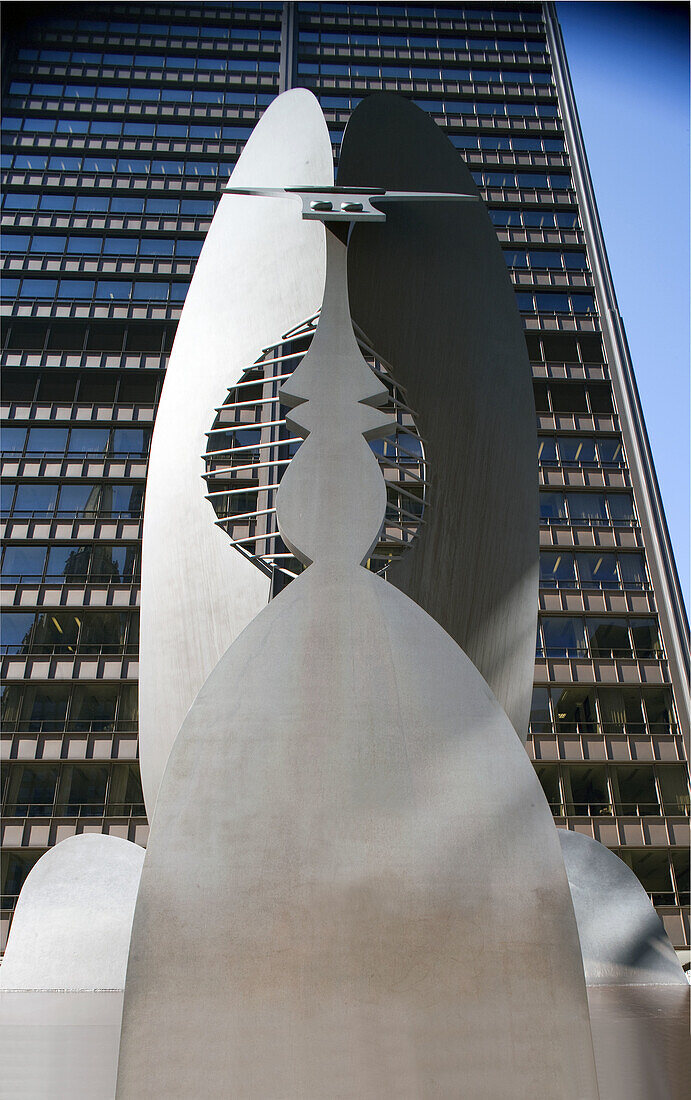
column 353, row 885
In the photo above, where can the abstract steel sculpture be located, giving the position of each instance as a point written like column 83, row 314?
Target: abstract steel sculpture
column 353, row 886
column 371, row 822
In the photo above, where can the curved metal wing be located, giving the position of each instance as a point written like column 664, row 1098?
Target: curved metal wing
column 261, row 271
column 474, row 568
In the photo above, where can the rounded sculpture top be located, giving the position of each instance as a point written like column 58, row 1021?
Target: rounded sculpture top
column 72, row 925
column 622, row 938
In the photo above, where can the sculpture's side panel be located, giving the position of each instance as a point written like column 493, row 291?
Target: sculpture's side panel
column 380, row 907
column 71, row 928
column 430, row 289
column 63, row 973
column 261, row 272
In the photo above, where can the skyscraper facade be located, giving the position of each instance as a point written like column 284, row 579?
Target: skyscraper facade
column 122, row 123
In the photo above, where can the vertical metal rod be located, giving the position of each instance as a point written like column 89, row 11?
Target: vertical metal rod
column 286, row 70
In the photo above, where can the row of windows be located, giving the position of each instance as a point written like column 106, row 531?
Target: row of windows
column 387, row 70
column 555, row 302
column 513, row 144
column 181, row 247
column 610, row 709
column 103, row 290
column 143, row 93
column 459, row 107
column 593, row 789
column 108, row 63
column 554, row 181
column 567, row 636
column 83, row 57
column 592, row 569
column 55, row 440
column 430, row 14
column 566, row 347
column 69, row 631
column 573, row 398
column 78, row 500
column 535, row 219
column 82, row 707
column 118, row 564
column 587, row 507
column 580, row 450
column 384, row 40
column 39, row 790
column 133, row 387
column 67, row 202
column 540, row 260
column 184, row 30
column 127, row 165
column 100, row 127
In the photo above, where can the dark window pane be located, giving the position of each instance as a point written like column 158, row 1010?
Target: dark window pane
column 540, row 719
column 577, row 450
column 79, row 500
column 123, row 500
column 12, row 440
column 552, row 303
column 546, row 450
column 568, row 397
column 45, row 706
column 611, row 452
column 154, row 246
column 76, row 288
column 115, row 563
column 587, row 506
column 621, row 508
column 608, row 638
column 38, row 288
column 57, row 630
column 98, row 387
column 34, row 789
column 632, row 568
column 39, row 498
column 93, row 707
column 552, row 506
column 84, row 791
column 575, row 710
column 15, row 630
column 556, row 567
column 105, row 336
column 637, row 791
column 130, row 441
column 600, row 395
column 658, row 709
column 120, row 246
column 56, row 386
column 588, row 789
column 115, row 290
column 541, row 392
column 23, row 561
column 84, row 245
column 563, row 637
column 598, row 569
column 68, row 561
column 646, row 639
column 89, row 440
column 148, row 291
column 47, row 440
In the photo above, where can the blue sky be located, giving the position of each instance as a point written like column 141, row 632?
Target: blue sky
column 629, row 65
